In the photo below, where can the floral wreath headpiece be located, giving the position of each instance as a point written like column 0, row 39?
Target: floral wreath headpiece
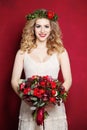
column 42, row 14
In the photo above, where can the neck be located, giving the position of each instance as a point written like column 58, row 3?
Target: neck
column 41, row 44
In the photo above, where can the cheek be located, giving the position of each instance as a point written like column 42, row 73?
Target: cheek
column 49, row 31
column 36, row 31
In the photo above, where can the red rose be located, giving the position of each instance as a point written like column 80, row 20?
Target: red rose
column 45, row 77
column 37, row 93
column 26, row 90
column 50, row 14
column 34, row 77
column 53, row 85
column 53, row 92
column 42, row 91
column 42, row 83
column 22, row 85
column 52, row 99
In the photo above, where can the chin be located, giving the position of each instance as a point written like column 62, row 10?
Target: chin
column 42, row 39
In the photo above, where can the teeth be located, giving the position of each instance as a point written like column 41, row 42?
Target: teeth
column 42, row 35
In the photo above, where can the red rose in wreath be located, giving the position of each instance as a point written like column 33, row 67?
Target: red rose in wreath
column 50, row 14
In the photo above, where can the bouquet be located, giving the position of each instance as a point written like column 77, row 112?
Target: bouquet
column 40, row 91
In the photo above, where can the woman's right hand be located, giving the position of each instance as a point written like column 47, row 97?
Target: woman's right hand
column 28, row 102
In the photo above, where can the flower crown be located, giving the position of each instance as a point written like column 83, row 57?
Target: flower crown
column 42, row 14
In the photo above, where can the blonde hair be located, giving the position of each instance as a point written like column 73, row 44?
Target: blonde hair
column 54, row 41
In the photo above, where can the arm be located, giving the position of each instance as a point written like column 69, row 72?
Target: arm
column 17, row 70
column 66, row 70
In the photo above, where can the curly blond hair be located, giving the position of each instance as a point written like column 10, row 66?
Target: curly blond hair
column 54, row 41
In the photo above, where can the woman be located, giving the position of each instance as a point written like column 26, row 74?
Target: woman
column 42, row 53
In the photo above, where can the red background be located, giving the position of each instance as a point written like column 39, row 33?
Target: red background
column 73, row 20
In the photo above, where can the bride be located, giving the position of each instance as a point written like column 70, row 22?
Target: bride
column 42, row 53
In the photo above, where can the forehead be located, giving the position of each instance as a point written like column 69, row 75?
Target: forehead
column 42, row 21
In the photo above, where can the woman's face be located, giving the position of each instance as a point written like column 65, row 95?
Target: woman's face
column 42, row 29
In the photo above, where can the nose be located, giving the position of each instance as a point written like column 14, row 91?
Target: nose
column 42, row 29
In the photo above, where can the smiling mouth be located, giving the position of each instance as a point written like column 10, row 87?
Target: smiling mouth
column 42, row 35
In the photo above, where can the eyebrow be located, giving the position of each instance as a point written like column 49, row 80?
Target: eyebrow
column 40, row 24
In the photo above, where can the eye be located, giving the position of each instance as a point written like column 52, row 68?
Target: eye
column 37, row 26
column 46, row 26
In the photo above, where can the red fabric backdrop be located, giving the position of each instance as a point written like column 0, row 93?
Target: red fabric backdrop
column 73, row 20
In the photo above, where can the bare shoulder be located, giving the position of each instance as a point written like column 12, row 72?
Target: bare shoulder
column 63, row 54
column 20, row 54
column 63, row 57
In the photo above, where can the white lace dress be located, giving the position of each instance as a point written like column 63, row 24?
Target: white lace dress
column 57, row 116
